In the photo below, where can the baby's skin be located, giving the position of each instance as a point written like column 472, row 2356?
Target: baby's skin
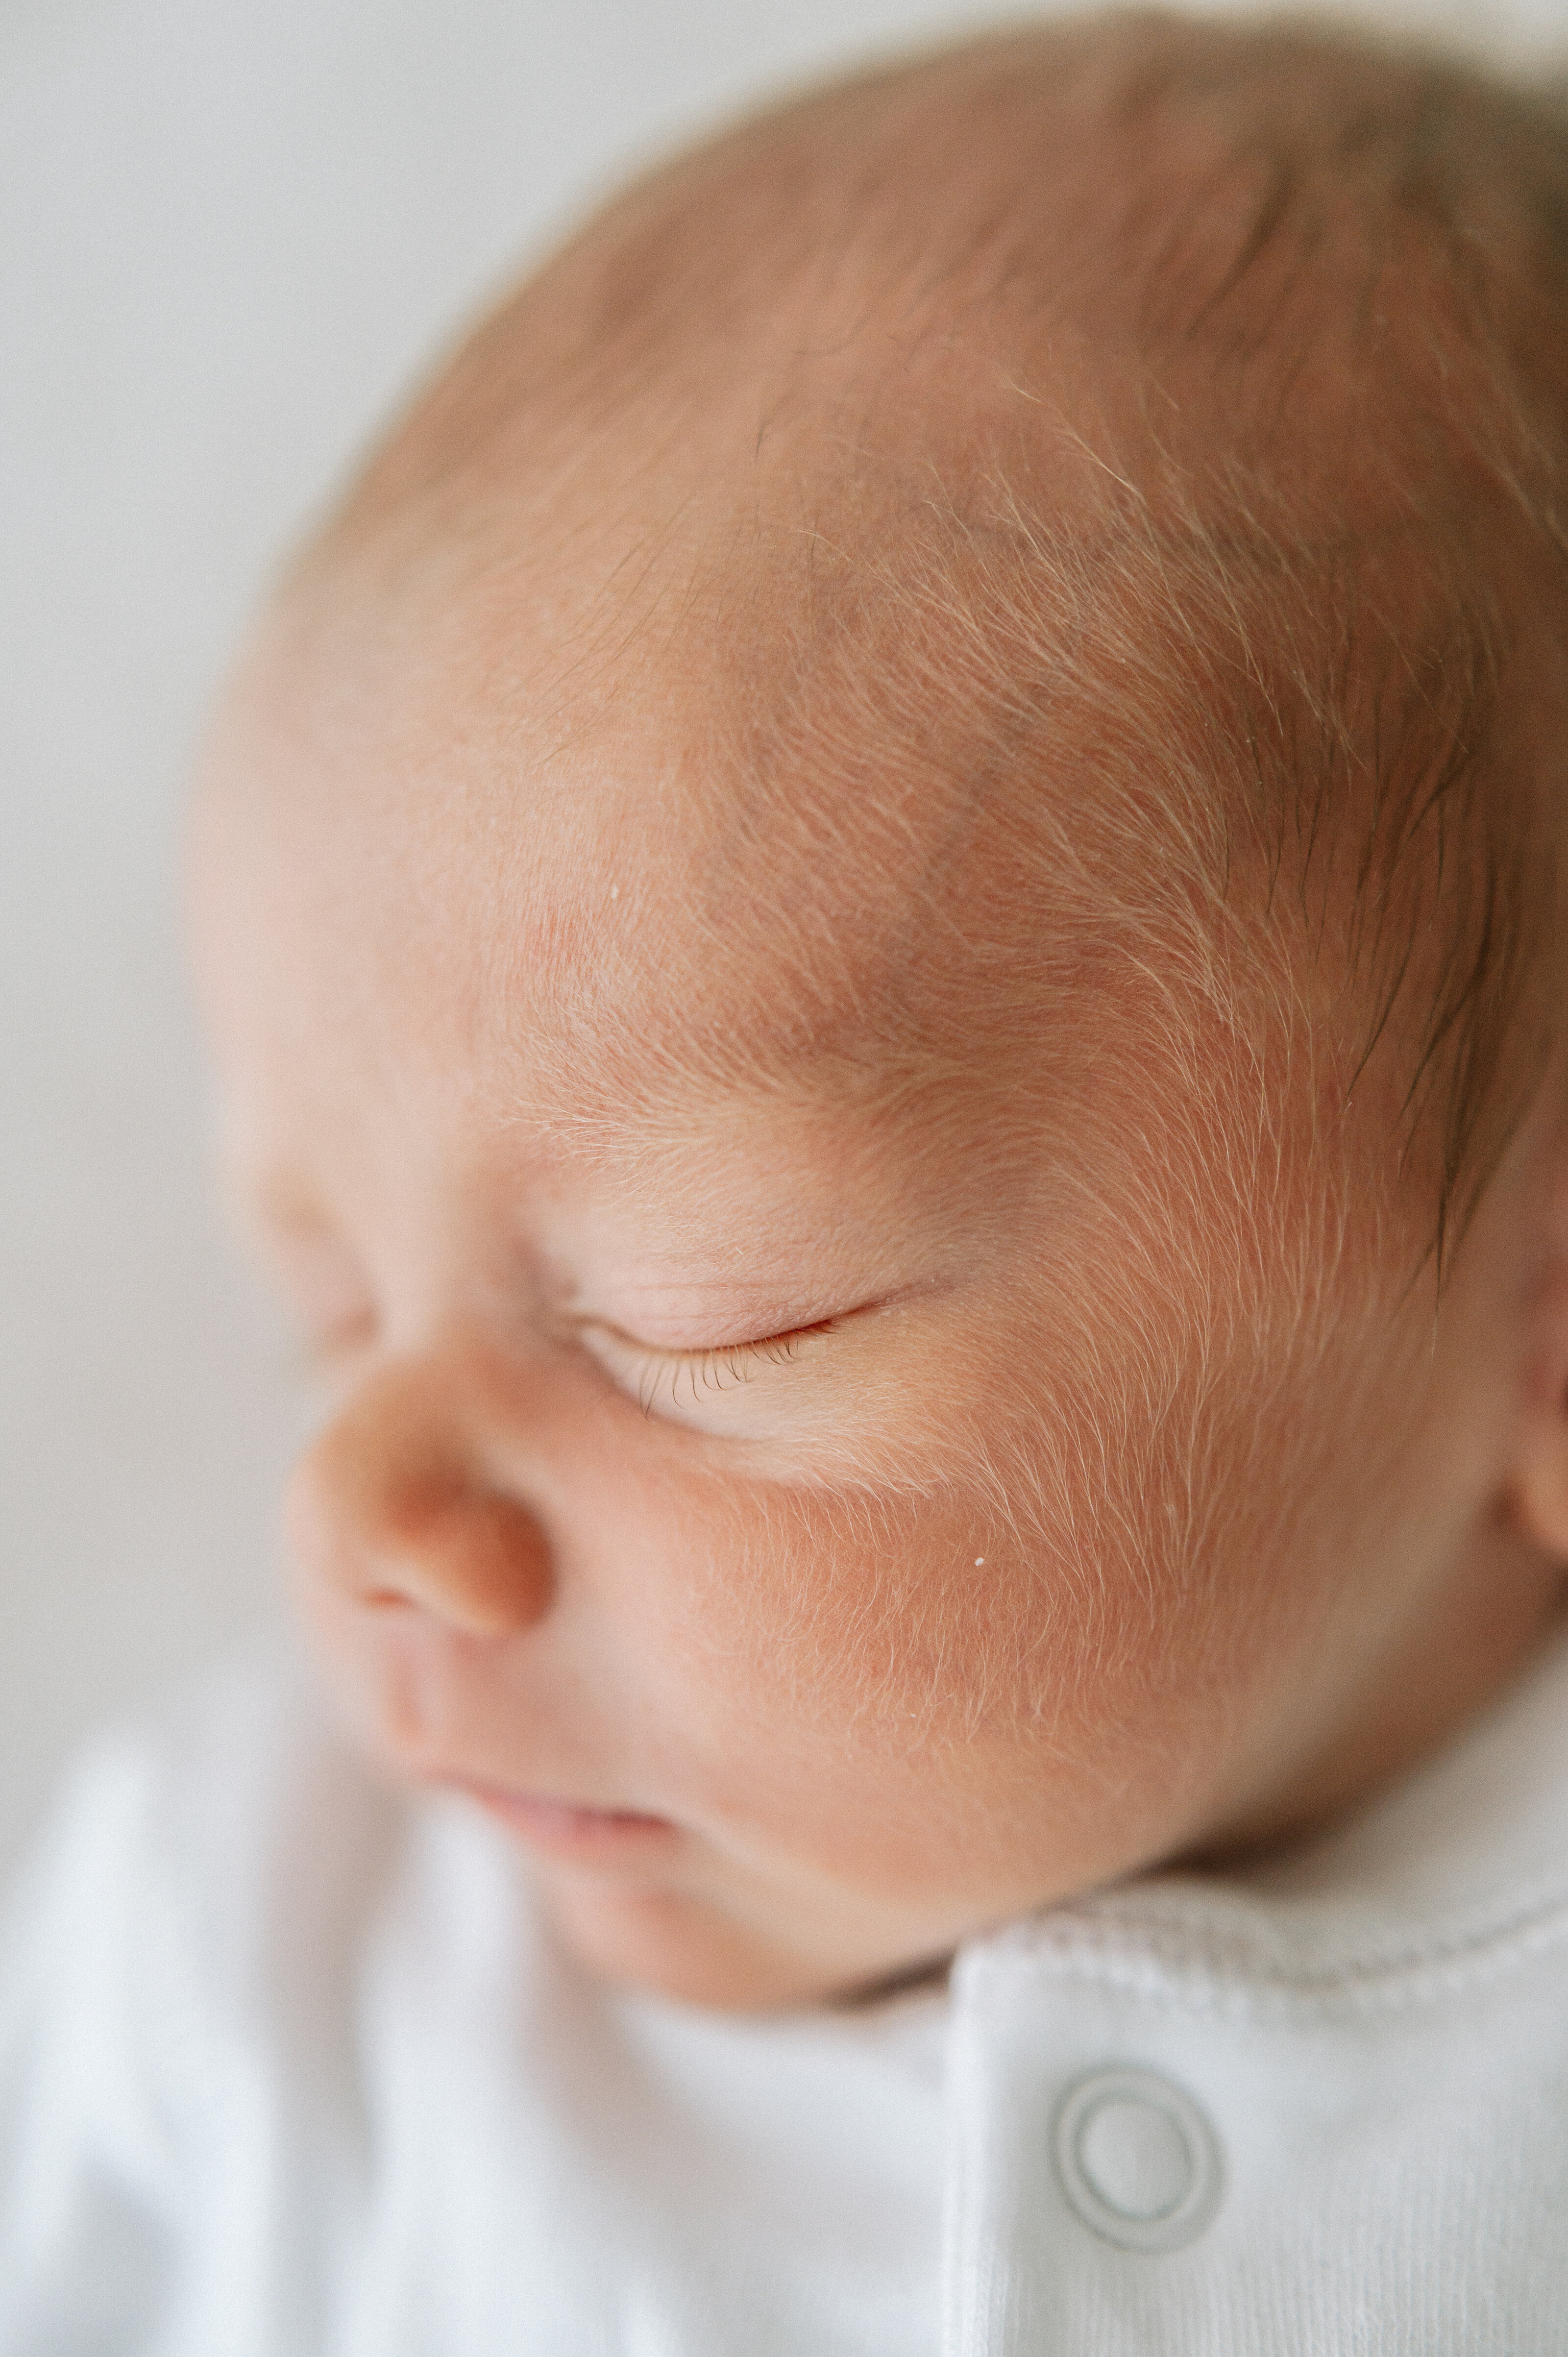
column 886, row 1357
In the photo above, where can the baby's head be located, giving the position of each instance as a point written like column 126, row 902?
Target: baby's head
column 880, row 923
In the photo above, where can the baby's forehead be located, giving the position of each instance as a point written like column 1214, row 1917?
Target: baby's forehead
column 750, row 789
column 684, row 866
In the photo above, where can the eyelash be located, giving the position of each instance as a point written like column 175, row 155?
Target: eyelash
column 706, row 1372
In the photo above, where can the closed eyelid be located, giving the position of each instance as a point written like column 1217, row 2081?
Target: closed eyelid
column 773, row 1348
column 656, row 1376
column 780, row 1338
column 690, row 1385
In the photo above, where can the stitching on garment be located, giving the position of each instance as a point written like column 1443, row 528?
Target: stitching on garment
column 1190, row 1961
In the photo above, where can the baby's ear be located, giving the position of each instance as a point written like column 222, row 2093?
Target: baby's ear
column 1540, row 1487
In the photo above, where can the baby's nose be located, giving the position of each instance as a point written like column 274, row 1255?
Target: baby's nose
column 394, row 1508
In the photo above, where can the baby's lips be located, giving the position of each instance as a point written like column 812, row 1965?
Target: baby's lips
column 568, row 1829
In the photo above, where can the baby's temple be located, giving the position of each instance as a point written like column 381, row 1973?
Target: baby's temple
column 880, row 921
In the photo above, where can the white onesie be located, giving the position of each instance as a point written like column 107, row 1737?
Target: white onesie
column 288, row 2066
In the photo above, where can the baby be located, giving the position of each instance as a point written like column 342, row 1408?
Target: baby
column 881, row 923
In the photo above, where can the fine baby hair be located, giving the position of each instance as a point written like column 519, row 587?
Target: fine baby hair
column 1204, row 387
column 881, row 923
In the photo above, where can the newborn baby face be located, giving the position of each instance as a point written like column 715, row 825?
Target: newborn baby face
column 872, row 1263
column 823, row 1492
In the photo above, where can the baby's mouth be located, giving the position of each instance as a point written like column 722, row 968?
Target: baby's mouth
column 566, row 1829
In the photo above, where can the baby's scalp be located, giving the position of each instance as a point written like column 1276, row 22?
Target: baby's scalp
column 965, row 644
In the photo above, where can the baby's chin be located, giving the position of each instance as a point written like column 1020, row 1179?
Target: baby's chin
column 670, row 1944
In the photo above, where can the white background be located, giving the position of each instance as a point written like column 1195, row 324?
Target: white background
column 229, row 233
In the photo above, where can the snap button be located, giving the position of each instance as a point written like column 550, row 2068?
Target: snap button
column 1137, row 2159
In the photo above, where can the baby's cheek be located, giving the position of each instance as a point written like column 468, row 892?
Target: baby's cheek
column 851, row 1675
column 1025, row 1669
